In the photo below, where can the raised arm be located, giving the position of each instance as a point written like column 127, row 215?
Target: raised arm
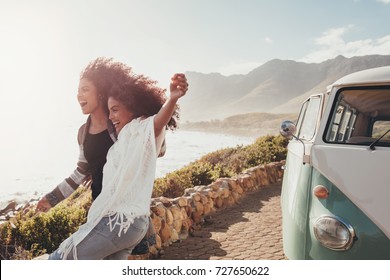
column 178, row 88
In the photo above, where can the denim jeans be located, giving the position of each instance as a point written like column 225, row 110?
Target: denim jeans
column 101, row 243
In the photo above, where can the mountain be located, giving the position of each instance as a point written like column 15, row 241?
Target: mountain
column 249, row 125
column 278, row 86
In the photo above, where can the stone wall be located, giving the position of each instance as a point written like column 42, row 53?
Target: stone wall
column 175, row 219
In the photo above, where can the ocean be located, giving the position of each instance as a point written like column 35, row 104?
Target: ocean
column 23, row 179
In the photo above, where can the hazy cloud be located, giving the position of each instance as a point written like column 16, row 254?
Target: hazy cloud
column 332, row 44
column 268, row 40
column 384, row 1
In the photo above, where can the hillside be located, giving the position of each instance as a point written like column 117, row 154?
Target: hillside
column 278, row 86
column 251, row 124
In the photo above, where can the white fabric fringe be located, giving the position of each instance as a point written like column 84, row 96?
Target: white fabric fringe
column 128, row 179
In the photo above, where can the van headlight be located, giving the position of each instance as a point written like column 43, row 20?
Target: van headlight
column 334, row 233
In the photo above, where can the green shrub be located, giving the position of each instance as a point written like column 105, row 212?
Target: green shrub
column 266, row 149
column 39, row 233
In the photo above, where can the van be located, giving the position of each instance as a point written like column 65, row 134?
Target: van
column 336, row 185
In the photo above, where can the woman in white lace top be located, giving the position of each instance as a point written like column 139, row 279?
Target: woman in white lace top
column 119, row 215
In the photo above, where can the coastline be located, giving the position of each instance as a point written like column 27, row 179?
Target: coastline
column 179, row 143
column 234, row 131
column 255, row 124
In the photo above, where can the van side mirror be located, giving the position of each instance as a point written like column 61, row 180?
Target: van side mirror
column 288, row 129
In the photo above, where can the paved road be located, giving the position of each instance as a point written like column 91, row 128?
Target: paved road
column 250, row 230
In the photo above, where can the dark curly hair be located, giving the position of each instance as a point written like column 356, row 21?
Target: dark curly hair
column 104, row 73
column 141, row 96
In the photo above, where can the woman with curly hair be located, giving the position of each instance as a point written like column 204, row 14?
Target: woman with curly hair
column 96, row 136
column 119, row 217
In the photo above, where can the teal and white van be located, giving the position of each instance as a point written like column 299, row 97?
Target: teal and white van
column 336, row 186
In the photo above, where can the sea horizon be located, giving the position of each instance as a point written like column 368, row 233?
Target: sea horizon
column 183, row 147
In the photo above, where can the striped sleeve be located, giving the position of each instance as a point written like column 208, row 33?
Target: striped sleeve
column 77, row 177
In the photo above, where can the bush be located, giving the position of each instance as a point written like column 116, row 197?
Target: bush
column 266, row 149
column 39, row 233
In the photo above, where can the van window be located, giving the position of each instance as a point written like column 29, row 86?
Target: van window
column 360, row 116
column 342, row 124
column 379, row 128
column 301, row 115
column 307, row 122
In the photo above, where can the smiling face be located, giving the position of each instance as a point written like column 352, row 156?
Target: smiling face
column 87, row 96
column 119, row 115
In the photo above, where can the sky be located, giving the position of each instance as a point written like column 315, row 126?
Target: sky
column 45, row 44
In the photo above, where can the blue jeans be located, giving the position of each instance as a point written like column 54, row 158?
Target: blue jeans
column 101, row 243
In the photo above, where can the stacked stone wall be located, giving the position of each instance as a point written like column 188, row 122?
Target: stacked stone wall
column 174, row 219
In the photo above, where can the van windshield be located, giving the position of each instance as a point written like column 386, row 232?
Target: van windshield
column 360, row 116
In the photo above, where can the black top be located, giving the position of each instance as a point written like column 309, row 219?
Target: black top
column 96, row 147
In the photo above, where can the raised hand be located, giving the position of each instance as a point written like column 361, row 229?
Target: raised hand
column 179, row 85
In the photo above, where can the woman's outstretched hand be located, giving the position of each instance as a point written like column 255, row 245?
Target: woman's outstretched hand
column 178, row 88
column 43, row 205
column 179, row 85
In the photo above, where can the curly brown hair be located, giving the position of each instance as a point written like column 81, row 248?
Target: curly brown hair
column 104, row 73
column 141, row 96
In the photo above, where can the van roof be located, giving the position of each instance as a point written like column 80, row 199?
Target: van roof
column 373, row 76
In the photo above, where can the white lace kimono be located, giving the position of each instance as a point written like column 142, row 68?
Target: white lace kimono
column 128, row 178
